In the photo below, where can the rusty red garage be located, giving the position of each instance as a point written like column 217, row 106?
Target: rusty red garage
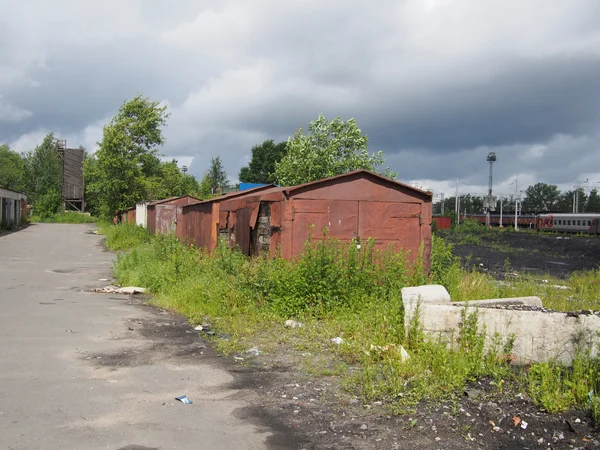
column 357, row 205
column 164, row 215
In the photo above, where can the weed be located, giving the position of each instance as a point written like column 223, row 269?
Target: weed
column 336, row 289
column 124, row 236
column 66, row 217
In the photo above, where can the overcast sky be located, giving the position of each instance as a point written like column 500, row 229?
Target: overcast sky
column 435, row 84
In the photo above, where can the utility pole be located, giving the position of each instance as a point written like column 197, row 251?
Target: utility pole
column 491, row 158
column 456, row 207
column 501, row 224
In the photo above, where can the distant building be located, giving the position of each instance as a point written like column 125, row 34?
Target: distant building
column 13, row 209
column 73, row 186
column 246, row 186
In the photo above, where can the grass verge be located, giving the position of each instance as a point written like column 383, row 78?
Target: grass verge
column 337, row 291
column 67, row 217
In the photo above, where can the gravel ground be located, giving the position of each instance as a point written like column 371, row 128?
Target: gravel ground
column 555, row 255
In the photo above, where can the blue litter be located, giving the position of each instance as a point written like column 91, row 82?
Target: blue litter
column 184, row 399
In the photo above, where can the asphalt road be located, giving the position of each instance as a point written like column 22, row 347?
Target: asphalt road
column 81, row 370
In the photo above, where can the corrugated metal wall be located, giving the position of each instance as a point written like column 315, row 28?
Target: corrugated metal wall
column 355, row 206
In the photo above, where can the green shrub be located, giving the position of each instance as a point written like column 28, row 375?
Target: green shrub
column 337, row 289
column 48, row 204
column 469, row 226
column 66, row 217
column 124, row 236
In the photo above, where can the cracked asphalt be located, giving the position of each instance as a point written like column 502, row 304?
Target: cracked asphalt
column 82, row 370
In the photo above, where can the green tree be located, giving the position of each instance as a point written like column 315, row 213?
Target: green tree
column 171, row 182
column 216, row 175
column 541, row 197
column 565, row 202
column 127, row 156
column 325, row 150
column 12, row 170
column 205, row 187
column 261, row 168
column 592, row 204
column 44, row 176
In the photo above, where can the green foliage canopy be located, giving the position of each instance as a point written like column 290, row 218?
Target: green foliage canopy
column 12, row 173
column 44, row 177
column 216, row 175
column 592, row 205
column 328, row 148
column 261, row 168
column 541, row 197
column 127, row 161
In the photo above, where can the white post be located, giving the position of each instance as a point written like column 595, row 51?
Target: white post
column 501, row 224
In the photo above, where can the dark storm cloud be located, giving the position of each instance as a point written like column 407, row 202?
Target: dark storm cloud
column 436, row 84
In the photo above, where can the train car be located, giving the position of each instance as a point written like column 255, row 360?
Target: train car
column 569, row 223
column 508, row 220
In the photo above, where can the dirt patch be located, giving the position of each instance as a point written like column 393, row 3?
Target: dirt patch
column 313, row 412
column 324, row 416
column 166, row 338
column 558, row 255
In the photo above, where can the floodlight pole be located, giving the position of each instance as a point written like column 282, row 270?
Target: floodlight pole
column 456, row 208
column 491, row 158
column 501, row 224
column 516, row 200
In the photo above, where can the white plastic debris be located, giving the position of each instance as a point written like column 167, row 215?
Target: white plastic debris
column 394, row 350
column 524, row 424
column 128, row 290
column 199, row 328
column 293, row 324
column 337, row 340
column 184, row 399
column 253, row 351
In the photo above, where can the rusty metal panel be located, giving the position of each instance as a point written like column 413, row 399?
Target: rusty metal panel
column 151, row 217
column 359, row 185
column 166, row 218
column 242, row 230
column 444, row 223
column 197, row 224
column 339, row 217
column 223, row 219
column 181, row 225
column 275, row 214
column 129, row 216
column 397, row 224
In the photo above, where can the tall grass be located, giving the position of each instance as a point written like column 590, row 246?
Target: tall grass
column 337, row 290
column 66, row 217
column 124, row 236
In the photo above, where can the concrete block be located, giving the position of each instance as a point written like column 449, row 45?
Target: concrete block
column 500, row 302
column 426, row 294
column 539, row 335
